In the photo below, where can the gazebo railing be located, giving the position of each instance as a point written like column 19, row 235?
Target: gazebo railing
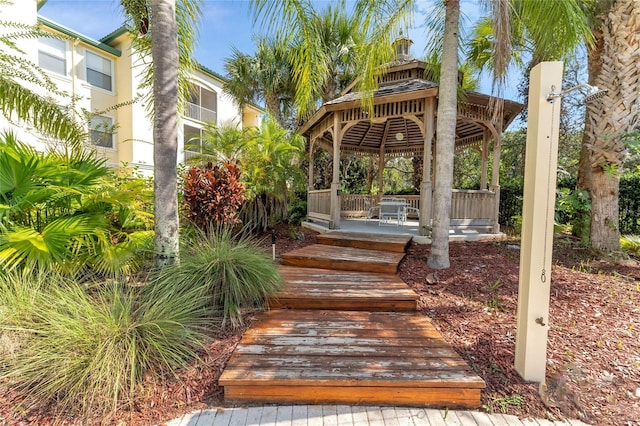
column 472, row 204
column 465, row 204
column 319, row 205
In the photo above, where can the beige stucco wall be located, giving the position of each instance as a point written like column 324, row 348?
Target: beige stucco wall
column 133, row 141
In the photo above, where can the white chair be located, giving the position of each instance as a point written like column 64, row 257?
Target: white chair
column 391, row 210
column 370, row 209
column 411, row 211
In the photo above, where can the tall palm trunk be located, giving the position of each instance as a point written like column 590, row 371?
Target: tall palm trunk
column 164, row 51
column 611, row 117
column 445, row 130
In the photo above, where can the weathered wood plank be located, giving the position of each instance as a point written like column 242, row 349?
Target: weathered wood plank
column 322, row 376
column 393, row 243
column 443, row 350
column 269, row 332
column 311, row 288
column 377, row 363
column 370, row 395
column 353, row 304
column 343, row 259
column 336, row 340
column 342, row 319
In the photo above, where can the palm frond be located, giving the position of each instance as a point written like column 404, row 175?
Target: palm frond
column 44, row 114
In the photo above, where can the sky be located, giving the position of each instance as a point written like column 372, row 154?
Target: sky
column 224, row 24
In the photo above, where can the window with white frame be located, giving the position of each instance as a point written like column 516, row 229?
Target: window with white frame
column 99, row 71
column 202, row 105
column 52, row 55
column 101, row 129
column 192, row 139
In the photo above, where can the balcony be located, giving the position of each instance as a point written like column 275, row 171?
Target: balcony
column 196, row 112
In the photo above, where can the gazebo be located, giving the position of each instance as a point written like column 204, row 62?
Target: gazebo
column 402, row 124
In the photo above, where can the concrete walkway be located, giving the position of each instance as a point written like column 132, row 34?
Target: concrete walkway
column 324, row 415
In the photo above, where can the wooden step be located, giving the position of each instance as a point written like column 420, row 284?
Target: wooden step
column 343, row 259
column 348, row 357
column 394, row 243
column 311, row 288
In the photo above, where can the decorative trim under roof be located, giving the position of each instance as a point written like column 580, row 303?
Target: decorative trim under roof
column 76, row 35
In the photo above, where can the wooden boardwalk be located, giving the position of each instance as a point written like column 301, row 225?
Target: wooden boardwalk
column 311, row 288
column 344, row 340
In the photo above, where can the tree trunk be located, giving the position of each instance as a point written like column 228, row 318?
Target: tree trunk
column 584, row 180
column 164, row 51
column 613, row 116
column 445, row 143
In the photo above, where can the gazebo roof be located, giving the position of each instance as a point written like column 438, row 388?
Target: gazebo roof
column 399, row 105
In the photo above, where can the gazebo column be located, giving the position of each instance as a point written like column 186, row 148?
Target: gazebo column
column 334, row 223
column 310, row 180
column 495, row 174
column 426, row 184
column 381, row 164
column 382, row 161
column 485, row 160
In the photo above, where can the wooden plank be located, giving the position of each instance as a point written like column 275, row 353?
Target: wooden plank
column 294, row 319
column 370, row 395
column 362, row 351
column 323, row 376
column 280, row 340
column 328, row 276
column 355, row 304
column 356, row 363
column 312, row 288
column 270, row 332
column 343, row 259
column 393, row 243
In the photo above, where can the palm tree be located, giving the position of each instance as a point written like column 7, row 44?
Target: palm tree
column 264, row 77
column 609, row 41
column 446, row 126
column 171, row 46
column 612, row 61
column 164, row 50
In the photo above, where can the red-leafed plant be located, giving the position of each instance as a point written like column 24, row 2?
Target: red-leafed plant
column 213, row 194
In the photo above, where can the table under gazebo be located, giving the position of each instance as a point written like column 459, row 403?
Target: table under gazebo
column 402, row 123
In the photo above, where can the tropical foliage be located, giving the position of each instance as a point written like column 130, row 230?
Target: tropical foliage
column 213, row 194
column 263, row 77
column 232, row 269
column 88, row 349
column 68, row 211
column 270, row 159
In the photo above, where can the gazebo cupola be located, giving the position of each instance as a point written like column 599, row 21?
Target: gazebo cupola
column 402, row 48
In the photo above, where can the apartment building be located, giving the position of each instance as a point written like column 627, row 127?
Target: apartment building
column 107, row 72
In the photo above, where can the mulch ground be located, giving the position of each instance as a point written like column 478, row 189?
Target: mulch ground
column 593, row 367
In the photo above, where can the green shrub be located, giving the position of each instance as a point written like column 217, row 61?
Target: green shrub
column 88, row 348
column 69, row 211
column 631, row 244
column 297, row 212
column 233, row 269
column 213, row 194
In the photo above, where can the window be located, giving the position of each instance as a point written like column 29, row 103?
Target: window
column 192, row 141
column 101, row 129
column 52, row 55
column 98, row 71
column 202, row 105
